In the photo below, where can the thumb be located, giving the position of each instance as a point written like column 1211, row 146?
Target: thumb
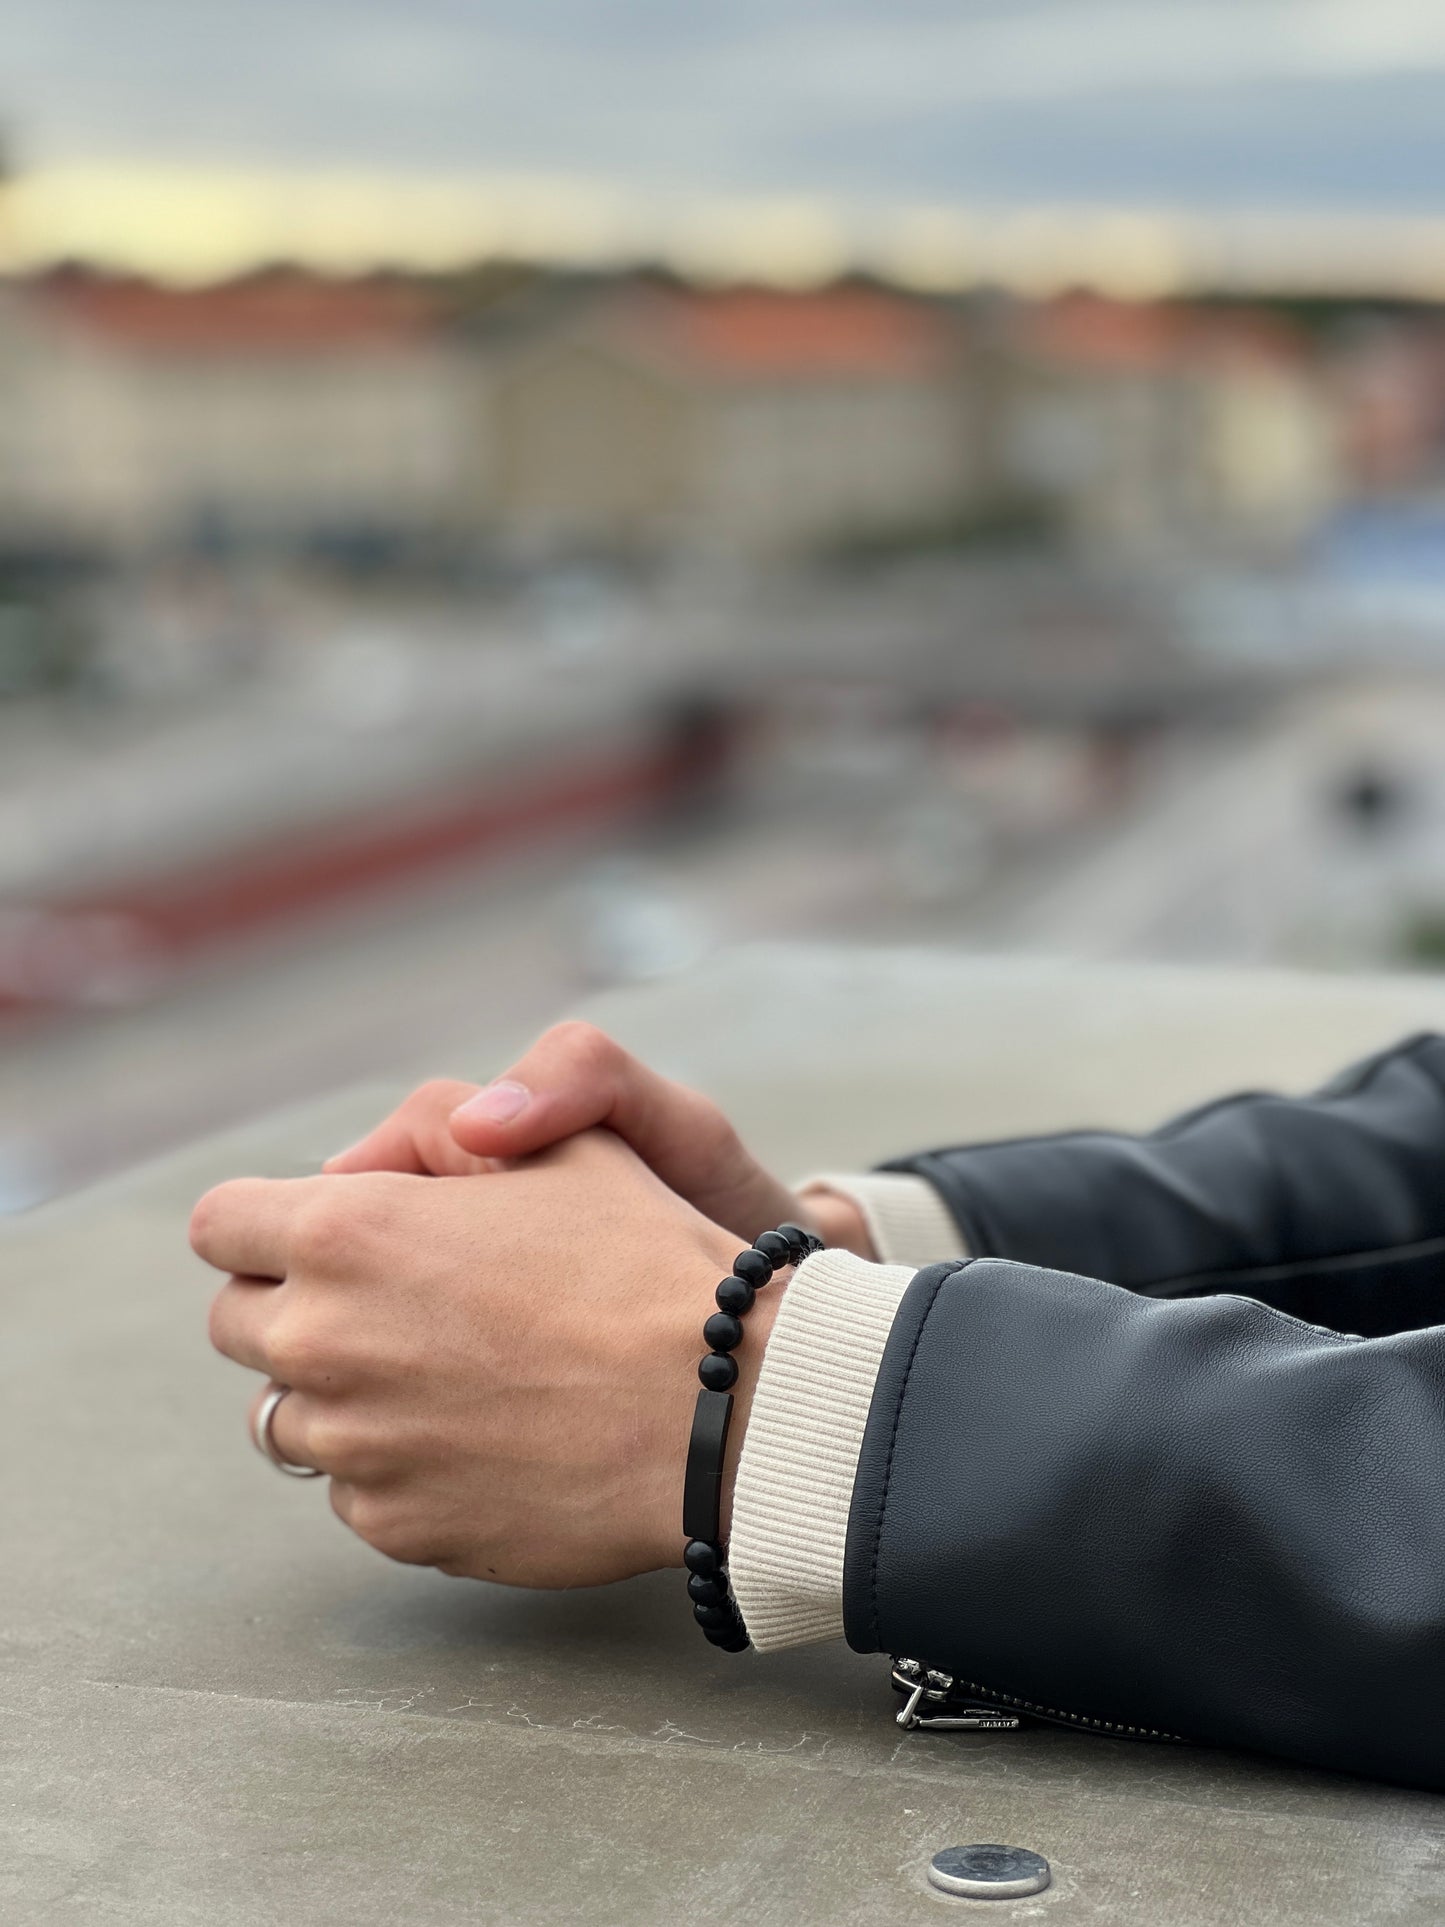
column 575, row 1077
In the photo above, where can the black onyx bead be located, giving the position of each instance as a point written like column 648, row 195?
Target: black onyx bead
column 704, row 1559
column 799, row 1240
column 723, row 1332
column 714, row 1618
column 753, row 1266
column 705, row 1592
column 775, row 1249
column 735, row 1295
column 718, row 1371
column 733, row 1642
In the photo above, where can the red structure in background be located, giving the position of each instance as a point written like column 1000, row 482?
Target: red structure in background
column 111, row 946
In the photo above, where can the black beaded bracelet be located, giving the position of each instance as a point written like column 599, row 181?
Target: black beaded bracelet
column 713, row 1606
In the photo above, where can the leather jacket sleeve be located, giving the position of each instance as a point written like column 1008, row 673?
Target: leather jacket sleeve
column 1197, row 1518
column 1176, row 1509
column 1330, row 1207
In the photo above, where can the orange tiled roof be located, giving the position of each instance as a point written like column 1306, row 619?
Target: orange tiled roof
column 278, row 312
column 1102, row 333
column 760, row 333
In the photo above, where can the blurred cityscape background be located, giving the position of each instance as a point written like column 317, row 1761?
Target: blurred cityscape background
column 508, row 501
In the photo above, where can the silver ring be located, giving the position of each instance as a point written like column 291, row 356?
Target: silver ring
column 266, row 1445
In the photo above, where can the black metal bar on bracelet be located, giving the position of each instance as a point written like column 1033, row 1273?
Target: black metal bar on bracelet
column 713, row 1606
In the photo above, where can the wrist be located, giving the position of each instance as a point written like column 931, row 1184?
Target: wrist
column 688, row 1296
column 838, row 1221
column 757, row 1329
column 691, row 1303
column 713, row 1471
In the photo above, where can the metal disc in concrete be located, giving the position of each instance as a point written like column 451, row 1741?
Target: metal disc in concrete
column 988, row 1872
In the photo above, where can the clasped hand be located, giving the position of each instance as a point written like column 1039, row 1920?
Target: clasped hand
column 490, row 1324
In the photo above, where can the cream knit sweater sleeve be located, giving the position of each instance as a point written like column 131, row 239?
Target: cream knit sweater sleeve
column 907, row 1220
column 800, row 1455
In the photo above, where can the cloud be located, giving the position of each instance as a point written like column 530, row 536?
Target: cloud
column 1197, row 102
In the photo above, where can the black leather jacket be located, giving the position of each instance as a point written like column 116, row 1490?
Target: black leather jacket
column 1166, row 1502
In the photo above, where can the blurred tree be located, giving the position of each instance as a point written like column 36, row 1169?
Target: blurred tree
column 1423, row 940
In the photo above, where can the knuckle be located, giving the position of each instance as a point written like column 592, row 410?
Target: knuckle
column 332, row 1443
column 437, row 1093
column 391, row 1530
column 323, row 1230
column 218, row 1323
column 709, row 1131
column 206, row 1217
column 302, row 1351
column 704, row 1118
column 199, row 1228
column 343, row 1499
column 586, row 1047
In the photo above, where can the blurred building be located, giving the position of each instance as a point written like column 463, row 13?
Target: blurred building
column 1155, row 427
column 278, row 409
column 748, row 421
column 1389, row 376
column 630, row 415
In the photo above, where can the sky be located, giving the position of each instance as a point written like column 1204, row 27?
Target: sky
column 601, row 120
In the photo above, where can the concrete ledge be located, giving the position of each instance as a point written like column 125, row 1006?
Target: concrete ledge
column 219, row 1708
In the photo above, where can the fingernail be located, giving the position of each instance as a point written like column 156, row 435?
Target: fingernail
column 499, row 1103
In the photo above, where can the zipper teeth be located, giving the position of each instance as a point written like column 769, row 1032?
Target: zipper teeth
column 1074, row 1719
column 1041, row 1712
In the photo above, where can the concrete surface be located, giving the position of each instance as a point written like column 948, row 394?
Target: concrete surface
column 217, row 1708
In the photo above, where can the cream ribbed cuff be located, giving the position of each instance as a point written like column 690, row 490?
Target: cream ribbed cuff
column 906, row 1219
column 800, row 1456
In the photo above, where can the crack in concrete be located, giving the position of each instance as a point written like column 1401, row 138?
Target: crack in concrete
column 940, row 1775
column 403, row 1699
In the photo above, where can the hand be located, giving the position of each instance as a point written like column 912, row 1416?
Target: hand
column 498, row 1377
column 576, row 1077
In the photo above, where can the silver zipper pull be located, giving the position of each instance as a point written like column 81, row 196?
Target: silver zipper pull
column 909, row 1715
column 969, row 1719
column 929, row 1689
column 919, row 1683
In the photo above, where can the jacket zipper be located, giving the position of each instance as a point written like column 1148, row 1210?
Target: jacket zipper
column 941, row 1702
